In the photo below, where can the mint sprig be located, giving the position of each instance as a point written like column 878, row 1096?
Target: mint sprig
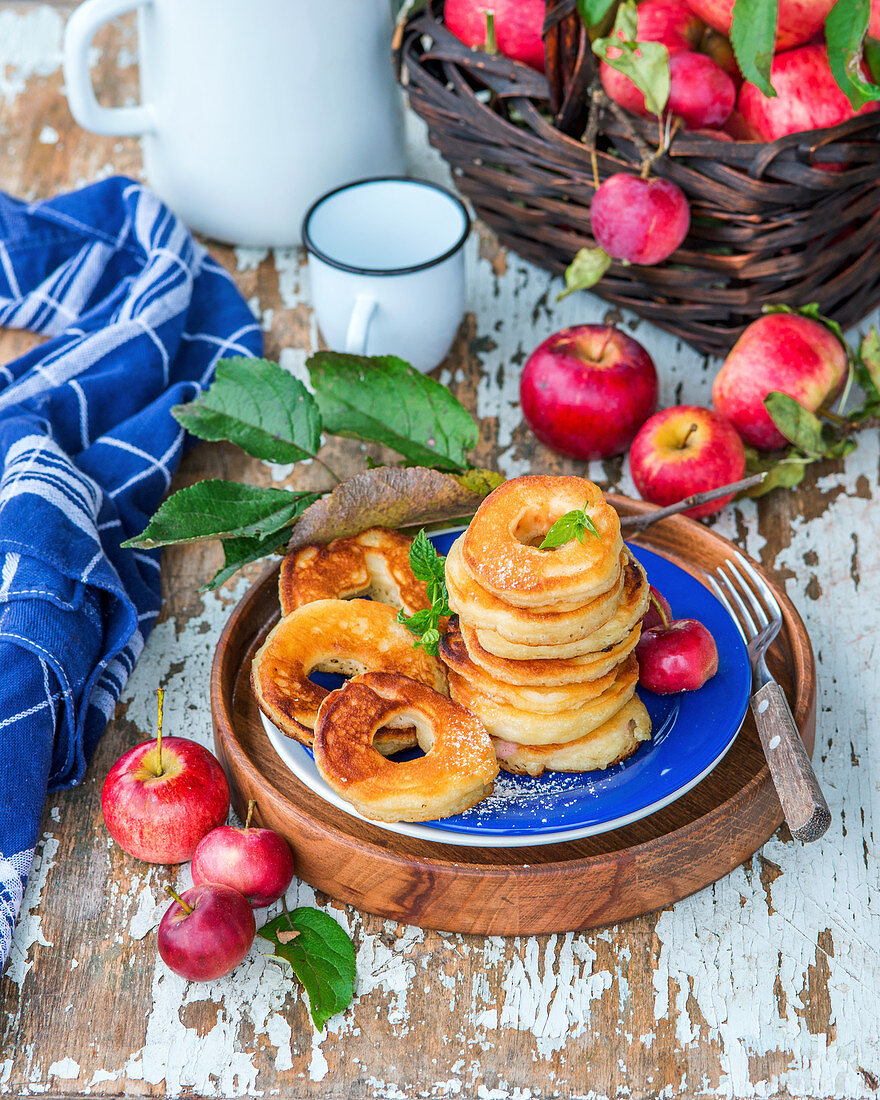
column 321, row 955
column 430, row 567
column 573, row 525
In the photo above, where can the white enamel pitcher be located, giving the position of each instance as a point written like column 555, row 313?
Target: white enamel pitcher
column 249, row 109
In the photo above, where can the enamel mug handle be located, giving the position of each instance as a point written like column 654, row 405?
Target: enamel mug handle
column 359, row 325
column 78, row 36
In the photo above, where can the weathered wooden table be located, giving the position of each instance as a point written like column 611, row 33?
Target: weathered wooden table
column 766, row 984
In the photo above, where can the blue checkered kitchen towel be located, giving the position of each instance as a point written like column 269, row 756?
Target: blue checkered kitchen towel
column 137, row 315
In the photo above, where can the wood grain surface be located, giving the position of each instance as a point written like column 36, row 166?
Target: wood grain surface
column 552, row 888
column 763, row 985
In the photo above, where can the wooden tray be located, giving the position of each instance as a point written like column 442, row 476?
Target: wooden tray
column 550, row 888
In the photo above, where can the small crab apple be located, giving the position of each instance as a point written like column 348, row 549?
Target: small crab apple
column 700, row 92
column 206, row 932
column 678, row 656
column 641, row 221
column 659, row 612
column 519, row 26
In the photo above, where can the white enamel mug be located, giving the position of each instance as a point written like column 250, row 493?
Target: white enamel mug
column 386, row 263
column 249, row 108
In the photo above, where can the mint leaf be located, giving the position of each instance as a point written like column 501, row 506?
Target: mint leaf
column 753, row 37
column 797, row 424
column 258, row 406
column 585, row 270
column 594, row 11
column 573, row 525
column 382, row 399
column 645, row 63
column 428, row 566
column 845, row 30
column 425, row 562
column 321, row 955
column 215, row 509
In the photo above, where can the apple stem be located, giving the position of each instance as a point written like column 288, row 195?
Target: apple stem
column 251, row 803
column 690, row 432
column 664, row 618
column 173, row 893
column 491, row 37
column 160, row 707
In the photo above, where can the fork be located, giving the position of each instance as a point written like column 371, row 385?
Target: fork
column 758, row 617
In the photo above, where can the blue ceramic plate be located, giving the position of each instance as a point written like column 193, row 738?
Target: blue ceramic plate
column 692, row 732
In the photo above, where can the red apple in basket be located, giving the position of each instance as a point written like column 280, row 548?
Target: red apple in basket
column 161, row 797
column 783, row 352
column 585, row 390
column 206, row 932
column 685, row 450
column 519, row 26
column 807, row 98
column 798, row 20
column 258, row 863
column 640, row 221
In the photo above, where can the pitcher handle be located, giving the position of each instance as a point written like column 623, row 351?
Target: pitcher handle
column 78, row 35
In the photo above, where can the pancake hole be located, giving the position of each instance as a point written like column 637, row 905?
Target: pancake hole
column 532, row 526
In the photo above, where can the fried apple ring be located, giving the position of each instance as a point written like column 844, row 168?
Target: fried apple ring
column 511, row 723
column 457, row 770
column 476, row 606
column 610, row 743
column 539, row 698
column 500, row 547
column 346, row 636
column 546, row 642
column 374, row 563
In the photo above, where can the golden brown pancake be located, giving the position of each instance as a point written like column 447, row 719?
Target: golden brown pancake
column 374, row 563
column 608, row 744
column 500, row 547
column 345, row 636
column 457, row 770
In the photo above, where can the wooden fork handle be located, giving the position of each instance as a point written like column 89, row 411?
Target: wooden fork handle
column 800, row 795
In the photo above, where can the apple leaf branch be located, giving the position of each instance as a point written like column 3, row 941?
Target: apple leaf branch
column 273, row 416
column 826, row 434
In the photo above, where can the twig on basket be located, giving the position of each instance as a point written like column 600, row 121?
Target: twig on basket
column 640, row 522
column 597, row 97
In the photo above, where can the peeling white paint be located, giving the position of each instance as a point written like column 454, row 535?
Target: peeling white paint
column 30, row 46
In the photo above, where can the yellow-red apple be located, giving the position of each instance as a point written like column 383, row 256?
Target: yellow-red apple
column 798, row 20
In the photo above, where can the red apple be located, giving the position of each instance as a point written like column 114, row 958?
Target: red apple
column 641, row 221
column 700, row 92
column 685, row 450
column 519, row 26
column 807, row 98
column 206, row 932
column 158, row 804
column 679, row 657
column 798, row 20
column 585, row 390
column 659, row 612
column 874, row 22
column 783, row 352
column 256, row 862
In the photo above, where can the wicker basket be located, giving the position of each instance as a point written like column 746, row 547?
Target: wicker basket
column 767, row 224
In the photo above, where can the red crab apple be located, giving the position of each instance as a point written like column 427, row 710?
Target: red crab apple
column 258, row 863
column 641, row 221
column 659, row 612
column 585, row 390
column 679, row 656
column 807, row 98
column 206, row 932
column 161, row 797
column 783, row 352
column 797, row 22
column 518, row 26
column 700, row 92
column 684, row 450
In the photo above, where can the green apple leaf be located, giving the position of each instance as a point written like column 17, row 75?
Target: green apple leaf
column 321, row 955
column 382, row 399
column 216, row 509
column 753, row 37
column 593, row 12
column 260, row 407
column 845, row 30
column 797, row 424
column 585, row 270
column 239, row 552
column 868, row 366
column 645, row 63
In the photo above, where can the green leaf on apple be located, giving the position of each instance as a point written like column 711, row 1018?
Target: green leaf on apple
column 382, row 399
column 594, row 12
column 753, row 37
column 573, row 525
column 260, row 407
column 799, row 426
column 784, row 469
column 645, row 63
column 585, row 270
column 868, row 371
column 320, row 954
column 845, row 30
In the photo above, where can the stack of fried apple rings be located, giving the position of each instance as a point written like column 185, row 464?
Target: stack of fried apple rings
column 543, row 648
